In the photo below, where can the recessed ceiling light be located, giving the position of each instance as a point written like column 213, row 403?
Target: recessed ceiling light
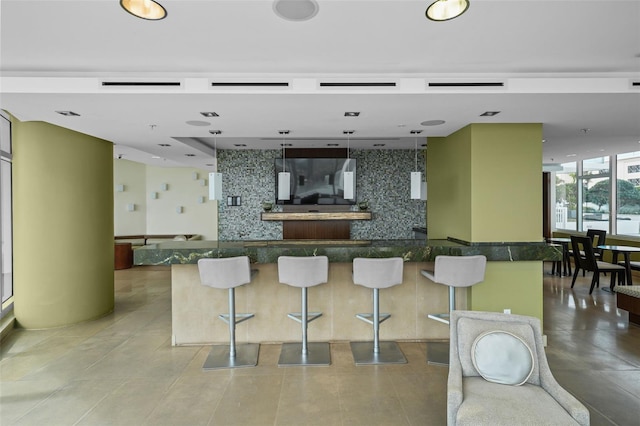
column 215, row 132
column 198, row 123
column 337, row 144
column 189, row 155
column 286, row 144
column 284, row 132
column 585, row 130
column 489, row 113
column 209, row 165
column 351, row 114
column 415, row 132
column 209, row 114
column 239, row 144
column 424, row 145
column 68, row 113
column 295, row 10
column 378, row 144
column 433, row 122
column 348, row 132
column 164, row 144
column 155, row 157
column 572, row 155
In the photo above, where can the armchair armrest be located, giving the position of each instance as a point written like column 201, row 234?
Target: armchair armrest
column 569, row 402
column 454, row 392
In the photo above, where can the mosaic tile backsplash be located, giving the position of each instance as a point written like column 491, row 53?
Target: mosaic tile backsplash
column 382, row 178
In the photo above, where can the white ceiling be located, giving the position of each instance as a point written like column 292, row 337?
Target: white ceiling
column 570, row 65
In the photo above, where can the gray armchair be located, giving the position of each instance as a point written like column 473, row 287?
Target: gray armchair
column 474, row 400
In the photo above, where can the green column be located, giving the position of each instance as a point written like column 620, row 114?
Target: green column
column 63, row 225
column 484, row 185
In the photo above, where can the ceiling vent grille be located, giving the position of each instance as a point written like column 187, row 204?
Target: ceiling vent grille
column 249, row 84
column 141, row 84
column 358, row 84
column 466, row 84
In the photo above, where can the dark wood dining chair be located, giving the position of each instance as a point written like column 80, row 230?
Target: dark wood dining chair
column 598, row 237
column 588, row 262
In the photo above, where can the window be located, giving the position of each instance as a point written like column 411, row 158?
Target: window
column 6, row 232
column 566, row 204
column 596, row 193
column 628, row 194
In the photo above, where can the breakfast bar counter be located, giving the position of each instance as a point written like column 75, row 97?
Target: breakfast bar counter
column 195, row 307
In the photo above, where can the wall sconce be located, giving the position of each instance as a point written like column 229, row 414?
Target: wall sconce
column 120, row 188
column 179, row 209
column 164, row 186
column 194, row 176
column 203, row 182
column 154, row 195
column 201, row 200
column 131, row 207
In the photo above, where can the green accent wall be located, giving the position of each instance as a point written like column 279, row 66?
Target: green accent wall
column 484, row 184
column 63, row 225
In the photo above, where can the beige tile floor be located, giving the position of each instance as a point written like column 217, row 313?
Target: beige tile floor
column 122, row 370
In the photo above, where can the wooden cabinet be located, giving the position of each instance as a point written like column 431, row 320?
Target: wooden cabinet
column 316, row 225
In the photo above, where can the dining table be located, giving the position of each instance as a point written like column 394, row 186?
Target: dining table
column 626, row 255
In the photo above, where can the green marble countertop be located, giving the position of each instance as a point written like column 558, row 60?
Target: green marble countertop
column 185, row 252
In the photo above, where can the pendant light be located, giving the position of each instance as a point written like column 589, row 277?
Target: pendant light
column 416, row 176
column 144, row 9
column 284, row 178
column 215, row 178
column 443, row 10
column 348, row 177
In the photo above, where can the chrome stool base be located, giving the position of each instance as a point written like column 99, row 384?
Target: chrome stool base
column 390, row 353
column 438, row 353
column 319, row 354
column 246, row 356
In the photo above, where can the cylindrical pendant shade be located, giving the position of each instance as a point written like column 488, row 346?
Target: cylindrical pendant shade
column 416, row 183
column 215, row 186
column 284, row 186
column 349, row 180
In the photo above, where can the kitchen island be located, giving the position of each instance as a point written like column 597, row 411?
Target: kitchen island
column 195, row 307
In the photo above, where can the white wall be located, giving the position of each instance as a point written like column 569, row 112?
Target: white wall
column 159, row 216
column 133, row 177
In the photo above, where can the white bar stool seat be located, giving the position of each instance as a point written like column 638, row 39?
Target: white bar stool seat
column 452, row 271
column 229, row 273
column 377, row 274
column 304, row 272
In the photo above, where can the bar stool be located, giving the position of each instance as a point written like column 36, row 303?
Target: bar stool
column 452, row 271
column 304, row 272
column 229, row 273
column 377, row 274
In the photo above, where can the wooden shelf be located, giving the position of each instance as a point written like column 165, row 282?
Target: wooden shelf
column 282, row 216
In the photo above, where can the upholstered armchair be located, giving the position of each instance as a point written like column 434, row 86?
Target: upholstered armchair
column 498, row 374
